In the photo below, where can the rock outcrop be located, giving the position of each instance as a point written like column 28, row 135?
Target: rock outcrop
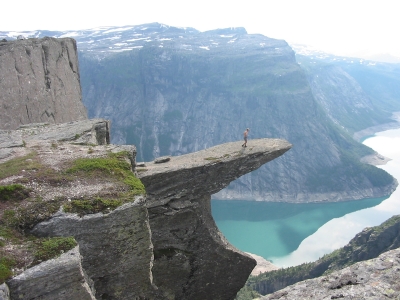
column 162, row 245
column 372, row 279
column 39, row 82
column 59, row 278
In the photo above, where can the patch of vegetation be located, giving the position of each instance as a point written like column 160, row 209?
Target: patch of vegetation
column 13, row 192
column 388, row 223
column 5, row 232
column 16, row 165
column 357, row 250
column 326, row 179
column 115, row 165
column 247, row 293
column 28, row 216
column 52, row 247
column 6, row 265
column 91, row 206
column 211, row 158
column 141, row 170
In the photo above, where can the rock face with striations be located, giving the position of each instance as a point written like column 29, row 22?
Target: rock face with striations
column 39, row 82
column 161, row 245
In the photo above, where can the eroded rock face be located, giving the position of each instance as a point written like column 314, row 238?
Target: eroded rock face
column 116, row 249
column 61, row 278
column 192, row 260
column 163, row 245
column 39, row 82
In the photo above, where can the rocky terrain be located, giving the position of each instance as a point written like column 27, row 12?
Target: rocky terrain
column 163, row 244
column 39, row 82
column 171, row 91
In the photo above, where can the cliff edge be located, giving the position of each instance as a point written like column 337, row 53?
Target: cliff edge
column 161, row 243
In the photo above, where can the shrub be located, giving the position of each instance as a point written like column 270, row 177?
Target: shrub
column 53, row 247
column 13, row 192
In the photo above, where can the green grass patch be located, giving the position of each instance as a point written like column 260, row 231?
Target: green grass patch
column 83, row 207
column 27, row 217
column 115, row 165
column 211, row 158
column 13, row 192
column 6, row 264
column 16, row 165
column 52, row 248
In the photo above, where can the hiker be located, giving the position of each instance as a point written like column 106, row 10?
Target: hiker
column 245, row 134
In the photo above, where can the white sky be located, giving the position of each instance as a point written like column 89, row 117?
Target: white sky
column 343, row 27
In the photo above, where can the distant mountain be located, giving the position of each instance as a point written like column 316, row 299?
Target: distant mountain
column 355, row 93
column 173, row 90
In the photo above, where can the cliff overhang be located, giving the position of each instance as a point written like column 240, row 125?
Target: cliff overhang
column 160, row 245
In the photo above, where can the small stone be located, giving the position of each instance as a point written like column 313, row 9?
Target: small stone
column 162, row 159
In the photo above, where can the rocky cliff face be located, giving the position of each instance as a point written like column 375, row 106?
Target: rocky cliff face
column 172, row 91
column 160, row 245
column 355, row 94
column 39, row 82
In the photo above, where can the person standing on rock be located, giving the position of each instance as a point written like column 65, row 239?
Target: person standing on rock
column 245, row 134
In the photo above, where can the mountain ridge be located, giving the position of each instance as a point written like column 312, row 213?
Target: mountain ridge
column 177, row 90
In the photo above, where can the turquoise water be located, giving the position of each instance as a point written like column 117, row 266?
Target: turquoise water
column 277, row 229
column 291, row 234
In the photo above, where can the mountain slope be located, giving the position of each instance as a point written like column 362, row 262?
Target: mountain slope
column 355, row 93
column 177, row 90
column 368, row 244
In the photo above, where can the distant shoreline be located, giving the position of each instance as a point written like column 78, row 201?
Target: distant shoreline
column 262, row 266
column 370, row 131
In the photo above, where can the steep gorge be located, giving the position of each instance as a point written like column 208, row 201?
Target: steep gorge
column 171, row 91
column 191, row 91
column 161, row 244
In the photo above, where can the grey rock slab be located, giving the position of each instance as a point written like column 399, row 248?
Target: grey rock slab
column 93, row 131
column 61, row 278
column 192, row 259
column 4, row 292
column 116, row 249
column 40, row 82
column 207, row 171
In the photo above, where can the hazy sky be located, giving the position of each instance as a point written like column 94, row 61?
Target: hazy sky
column 342, row 27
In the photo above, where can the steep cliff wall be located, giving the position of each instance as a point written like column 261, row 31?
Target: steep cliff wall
column 39, row 82
column 160, row 245
column 179, row 91
column 171, row 91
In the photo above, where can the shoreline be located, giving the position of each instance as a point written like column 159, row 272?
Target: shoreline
column 263, row 265
column 370, row 131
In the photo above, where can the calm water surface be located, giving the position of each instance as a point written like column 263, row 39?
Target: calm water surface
column 291, row 234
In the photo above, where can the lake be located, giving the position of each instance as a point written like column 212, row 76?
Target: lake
column 290, row 234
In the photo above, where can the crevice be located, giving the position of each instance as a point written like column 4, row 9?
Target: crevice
column 45, row 55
